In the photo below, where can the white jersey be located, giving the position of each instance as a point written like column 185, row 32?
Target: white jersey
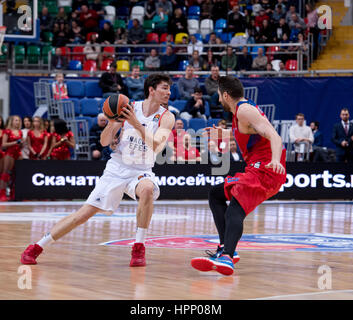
column 131, row 149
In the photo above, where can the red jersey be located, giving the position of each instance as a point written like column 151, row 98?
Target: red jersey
column 36, row 142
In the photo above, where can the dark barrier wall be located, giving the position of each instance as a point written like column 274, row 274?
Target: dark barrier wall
column 320, row 99
column 76, row 179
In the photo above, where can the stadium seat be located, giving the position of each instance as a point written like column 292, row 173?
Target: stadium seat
column 179, row 104
column 33, row 55
column 275, row 64
column 48, row 37
column 206, row 27
column 75, row 89
column 3, row 56
column 90, row 65
column 77, row 105
column 110, row 13
column 174, row 92
column 66, row 52
column 271, row 52
column 256, row 49
column 291, row 65
column 122, row 65
column 122, row 13
column 106, row 64
column 78, row 54
column 129, row 25
column 139, row 63
column 45, row 53
column 220, row 25
column 137, row 12
column 75, row 65
column 89, row 35
column 103, row 21
column 92, row 89
column 19, row 54
column 211, row 122
column 198, row 36
column 90, row 120
column 179, row 37
column 182, row 65
column 194, row 12
column 148, row 26
column 109, row 50
column 152, row 37
column 119, row 24
column 197, row 124
column 226, row 36
column 193, row 26
column 89, row 107
column 239, row 38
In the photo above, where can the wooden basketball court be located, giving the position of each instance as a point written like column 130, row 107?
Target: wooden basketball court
column 78, row 266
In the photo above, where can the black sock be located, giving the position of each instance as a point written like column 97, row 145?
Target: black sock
column 234, row 218
column 218, row 206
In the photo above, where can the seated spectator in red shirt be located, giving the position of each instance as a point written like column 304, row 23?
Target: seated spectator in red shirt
column 176, row 136
column 37, row 139
column 185, row 152
column 260, row 18
column 89, row 19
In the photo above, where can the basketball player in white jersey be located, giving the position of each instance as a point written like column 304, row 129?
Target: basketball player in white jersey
column 141, row 136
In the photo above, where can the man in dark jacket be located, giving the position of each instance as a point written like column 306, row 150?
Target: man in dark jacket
column 94, row 137
column 195, row 107
column 342, row 137
column 136, row 35
column 111, row 82
column 244, row 60
column 169, row 61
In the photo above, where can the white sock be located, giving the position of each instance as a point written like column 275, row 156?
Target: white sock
column 140, row 235
column 47, row 239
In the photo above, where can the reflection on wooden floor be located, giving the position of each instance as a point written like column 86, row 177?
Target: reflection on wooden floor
column 77, row 267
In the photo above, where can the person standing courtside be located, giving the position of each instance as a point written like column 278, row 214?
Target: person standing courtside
column 342, row 137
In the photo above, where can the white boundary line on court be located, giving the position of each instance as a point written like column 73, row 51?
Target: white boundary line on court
column 302, row 294
column 164, row 202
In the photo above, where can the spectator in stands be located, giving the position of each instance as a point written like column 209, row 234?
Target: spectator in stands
column 176, row 136
column 12, row 141
column 59, row 87
column 296, row 23
column 265, row 4
column 292, row 10
column 178, row 23
column 195, row 106
column 281, row 29
column 256, row 8
column 58, row 61
column 194, row 44
column 278, row 14
column 62, row 141
column 260, row 18
column 75, row 34
column 98, row 7
column 169, row 61
column 265, row 34
column 234, row 153
column 95, row 133
column 187, row 84
column 282, row 67
column 211, row 85
column 92, row 49
column 160, row 21
column 37, row 140
column 136, row 35
column 107, row 34
column 212, row 41
column 111, row 82
column 206, row 9
column 319, row 152
column 342, row 137
column 222, row 141
column 152, row 62
column 61, row 16
column 46, row 22
column 269, row 69
column 260, row 62
column 303, row 47
column 214, row 154
column 302, row 138
column 166, row 5
column 229, row 61
column 26, row 126
column 76, row 5
column 89, row 19
column 236, row 21
column 120, row 36
column 135, row 84
column 60, row 34
column 210, row 61
column 186, row 152
column 182, row 51
column 219, row 10
column 150, row 9
column 244, row 60
column 313, row 18
column 196, row 61
column 282, row 5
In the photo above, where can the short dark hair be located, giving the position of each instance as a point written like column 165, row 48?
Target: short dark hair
column 232, row 86
column 344, row 109
column 198, row 90
column 299, row 115
column 316, row 123
column 153, row 81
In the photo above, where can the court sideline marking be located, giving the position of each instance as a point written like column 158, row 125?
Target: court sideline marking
column 301, row 294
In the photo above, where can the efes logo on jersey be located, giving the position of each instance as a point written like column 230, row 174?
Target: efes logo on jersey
column 156, row 117
column 253, row 242
column 145, row 175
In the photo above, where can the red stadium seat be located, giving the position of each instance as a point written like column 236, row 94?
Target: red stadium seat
column 109, row 50
column 291, row 65
column 106, row 64
column 271, row 51
column 65, row 51
column 163, row 38
column 88, row 36
column 90, row 65
column 152, row 37
column 78, row 54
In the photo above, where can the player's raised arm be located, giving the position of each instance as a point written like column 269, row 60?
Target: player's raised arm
column 109, row 132
column 250, row 118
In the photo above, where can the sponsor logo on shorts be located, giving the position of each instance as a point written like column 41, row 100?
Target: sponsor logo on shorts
column 254, row 242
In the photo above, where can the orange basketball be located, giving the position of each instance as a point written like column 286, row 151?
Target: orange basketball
column 113, row 104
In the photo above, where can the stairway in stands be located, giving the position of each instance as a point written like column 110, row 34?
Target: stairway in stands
column 338, row 53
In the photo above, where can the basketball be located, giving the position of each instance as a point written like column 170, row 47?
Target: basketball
column 113, row 104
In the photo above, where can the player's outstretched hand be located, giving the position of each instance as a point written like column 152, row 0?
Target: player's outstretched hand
column 276, row 166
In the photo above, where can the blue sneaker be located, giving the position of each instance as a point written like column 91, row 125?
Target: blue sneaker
column 222, row 264
column 219, row 252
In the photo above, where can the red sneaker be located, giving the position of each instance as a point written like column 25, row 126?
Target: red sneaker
column 138, row 255
column 30, row 255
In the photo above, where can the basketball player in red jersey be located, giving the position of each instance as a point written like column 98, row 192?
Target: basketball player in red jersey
column 265, row 156
column 142, row 135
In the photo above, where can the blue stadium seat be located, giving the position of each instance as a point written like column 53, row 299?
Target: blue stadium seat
column 91, row 120
column 75, row 89
column 220, row 25
column 198, row 36
column 75, row 65
column 186, row 124
column 256, row 49
column 194, row 12
column 129, row 25
column 174, row 92
column 182, row 65
column 197, row 124
column 100, row 105
column 77, row 105
column 211, row 122
column 93, row 89
column 207, row 109
column 89, row 107
column 179, row 104
column 122, row 13
column 226, row 37
column 102, row 22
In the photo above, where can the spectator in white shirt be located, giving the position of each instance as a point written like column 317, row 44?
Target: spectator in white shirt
column 194, row 44
column 302, row 137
